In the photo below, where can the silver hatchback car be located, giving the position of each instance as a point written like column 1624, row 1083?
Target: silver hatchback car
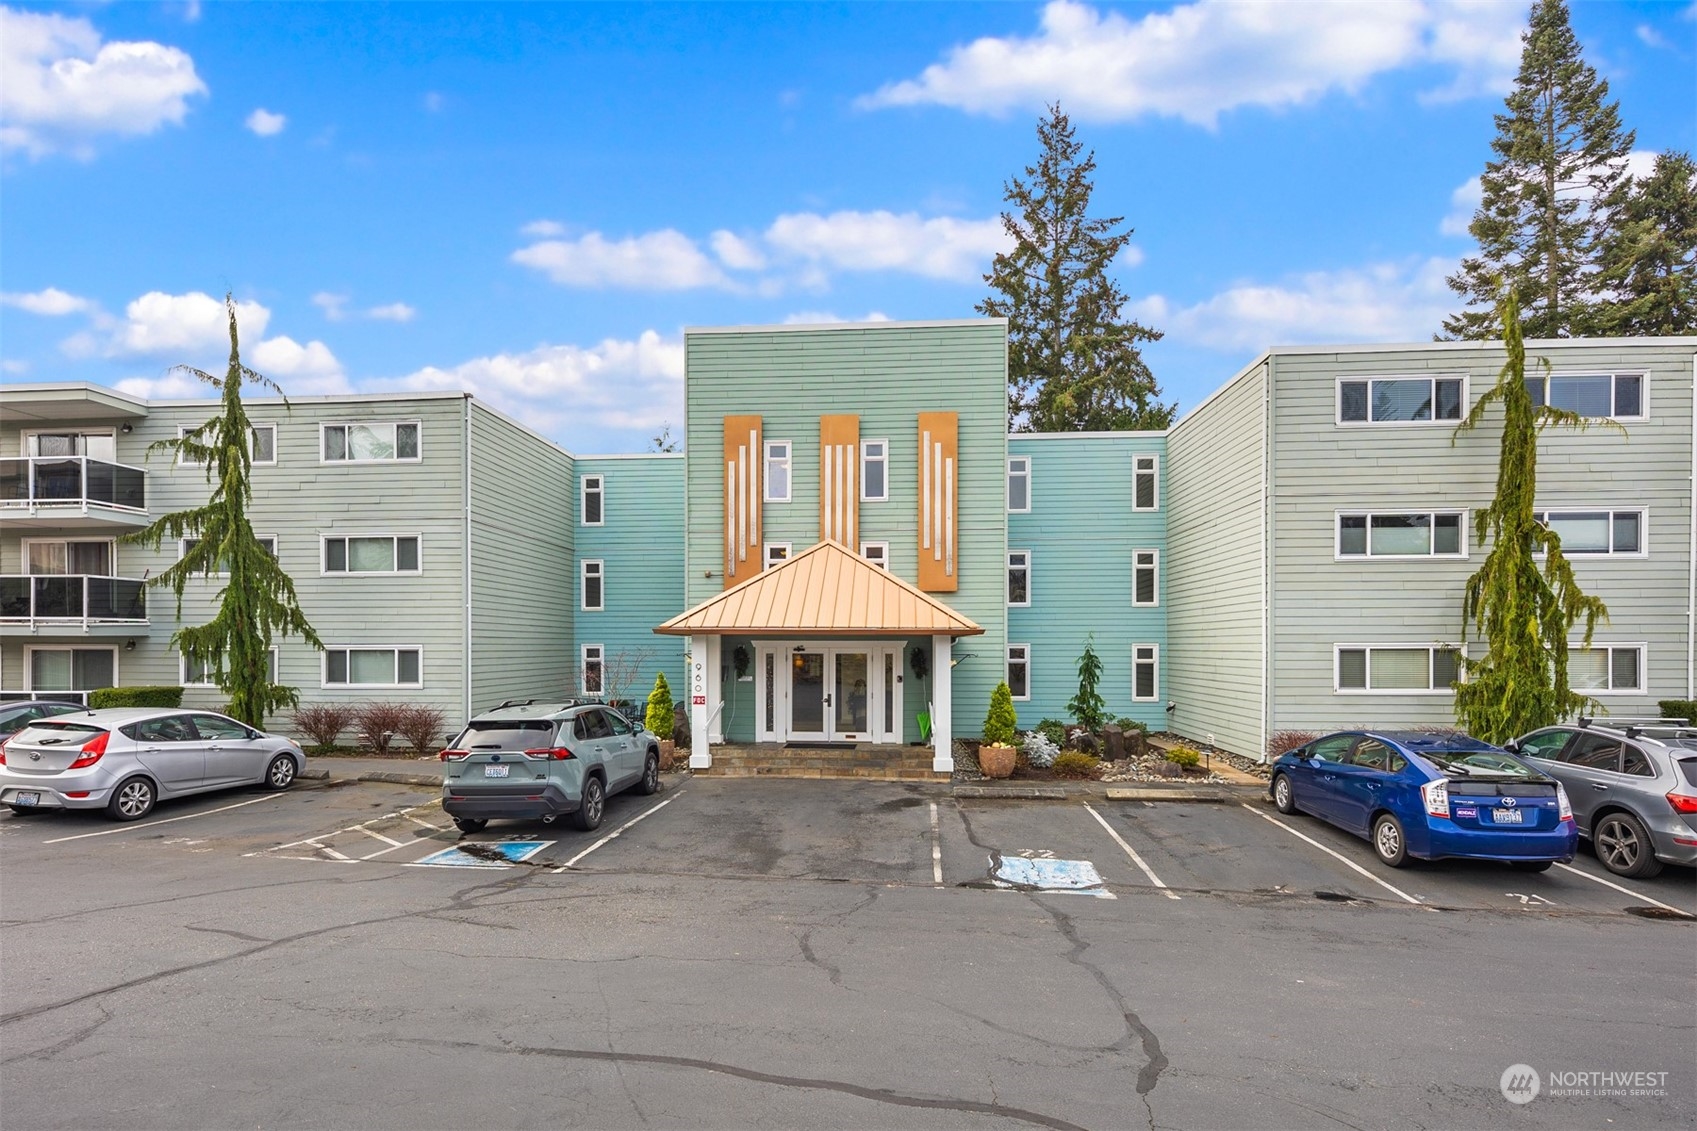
column 124, row 759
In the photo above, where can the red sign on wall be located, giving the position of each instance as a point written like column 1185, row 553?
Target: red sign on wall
column 701, row 700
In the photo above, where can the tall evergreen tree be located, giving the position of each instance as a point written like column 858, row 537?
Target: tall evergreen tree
column 258, row 598
column 1073, row 361
column 1522, row 608
column 1558, row 177
column 1649, row 259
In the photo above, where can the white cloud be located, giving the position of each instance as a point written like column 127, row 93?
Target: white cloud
column 543, row 229
column 1650, row 37
column 61, row 87
column 826, row 318
column 14, row 366
column 434, row 101
column 304, row 370
column 51, row 302
column 1199, row 60
column 158, row 323
column 331, row 304
column 737, row 253
column 392, row 312
column 665, row 260
column 941, row 247
column 266, row 124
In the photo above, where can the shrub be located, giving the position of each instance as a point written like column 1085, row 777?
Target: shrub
column 1038, row 751
column 1679, row 709
column 1284, row 741
column 1054, row 730
column 379, row 723
column 1087, row 706
column 1129, row 725
column 1080, row 739
column 1184, row 756
column 422, row 727
column 999, row 724
column 324, row 723
column 136, row 697
column 658, row 718
column 1074, row 764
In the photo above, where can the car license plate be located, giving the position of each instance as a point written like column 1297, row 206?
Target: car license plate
column 1508, row 816
column 501, row 772
column 27, row 799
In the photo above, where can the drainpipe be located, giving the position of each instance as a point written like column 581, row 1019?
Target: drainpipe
column 465, row 427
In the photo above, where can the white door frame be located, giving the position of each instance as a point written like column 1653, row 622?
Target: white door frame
column 774, row 725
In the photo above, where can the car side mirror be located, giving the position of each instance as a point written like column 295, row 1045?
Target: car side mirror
column 1512, row 746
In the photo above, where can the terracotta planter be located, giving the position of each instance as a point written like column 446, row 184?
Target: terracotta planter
column 996, row 761
column 668, row 753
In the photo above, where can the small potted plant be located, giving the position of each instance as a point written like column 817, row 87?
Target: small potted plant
column 659, row 717
column 996, row 757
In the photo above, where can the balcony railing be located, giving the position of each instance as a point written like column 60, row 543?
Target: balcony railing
column 58, row 481
column 71, row 599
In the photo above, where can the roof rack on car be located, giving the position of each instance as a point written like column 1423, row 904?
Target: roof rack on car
column 513, row 703
column 1635, row 726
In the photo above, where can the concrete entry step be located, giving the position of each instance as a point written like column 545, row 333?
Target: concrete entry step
column 867, row 762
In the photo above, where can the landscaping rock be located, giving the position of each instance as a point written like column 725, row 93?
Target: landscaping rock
column 1113, row 742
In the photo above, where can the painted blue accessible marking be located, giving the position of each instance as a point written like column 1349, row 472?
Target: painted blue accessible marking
column 512, row 851
column 1048, row 875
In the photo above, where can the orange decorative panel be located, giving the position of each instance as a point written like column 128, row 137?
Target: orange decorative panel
column 743, row 465
column 939, row 494
column 839, row 481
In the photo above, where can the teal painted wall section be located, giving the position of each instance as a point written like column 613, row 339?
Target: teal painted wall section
column 640, row 544
column 1081, row 534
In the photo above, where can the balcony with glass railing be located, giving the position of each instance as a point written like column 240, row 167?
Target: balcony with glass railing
column 71, row 491
column 72, row 601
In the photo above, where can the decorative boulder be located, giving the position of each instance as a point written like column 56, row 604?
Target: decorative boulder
column 1113, row 742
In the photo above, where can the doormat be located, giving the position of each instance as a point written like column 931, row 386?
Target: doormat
column 821, row 746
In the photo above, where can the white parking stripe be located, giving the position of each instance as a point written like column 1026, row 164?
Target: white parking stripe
column 166, row 821
column 1617, row 887
column 936, row 849
column 1132, row 852
column 614, row 835
column 1346, row 861
column 330, row 852
column 379, row 836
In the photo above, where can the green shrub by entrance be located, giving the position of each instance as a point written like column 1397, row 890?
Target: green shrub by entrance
column 136, row 697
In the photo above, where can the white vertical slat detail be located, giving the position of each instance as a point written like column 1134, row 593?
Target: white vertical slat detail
column 851, row 495
column 925, row 487
column 949, row 517
column 730, row 516
column 829, row 534
column 742, row 502
column 936, row 460
column 754, row 490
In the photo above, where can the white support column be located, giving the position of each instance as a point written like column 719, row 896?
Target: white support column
column 942, row 690
column 700, row 757
column 715, row 689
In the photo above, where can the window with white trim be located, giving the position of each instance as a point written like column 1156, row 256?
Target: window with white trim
column 775, row 552
column 193, row 674
column 1019, row 578
column 878, row 553
column 268, row 541
column 354, row 555
column 1395, row 668
column 1019, row 670
column 1620, row 533
column 262, row 445
column 1604, row 669
column 1145, row 672
column 593, row 573
column 1597, row 396
column 874, row 471
column 1402, row 534
column 1019, row 484
column 1400, row 400
column 374, row 442
column 777, row 489
column 1145, row 483
column 389, row 666
column 591, row 509
column 592, row 669
column 1145, row 577
column 70, row 669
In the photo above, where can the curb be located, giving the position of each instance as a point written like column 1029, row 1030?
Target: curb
column 1156, row 793
column 314, row 775
column 1013, row 792
column 399, row 779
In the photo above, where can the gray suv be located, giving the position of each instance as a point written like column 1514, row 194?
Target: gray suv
column 531, row 760
column 1633, row 786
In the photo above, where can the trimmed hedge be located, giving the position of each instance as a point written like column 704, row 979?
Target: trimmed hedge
column 1679, row 709
column 136, row 697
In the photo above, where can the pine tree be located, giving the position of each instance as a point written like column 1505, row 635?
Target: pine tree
column 1558, row 177
column 1073, row 361
column 1649, row 259
column 1522, row 608
column 258, row 598
column 1088, row 707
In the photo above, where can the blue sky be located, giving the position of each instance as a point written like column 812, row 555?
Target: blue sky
column 531, row 201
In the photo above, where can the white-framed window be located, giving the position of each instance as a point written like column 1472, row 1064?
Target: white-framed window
column 59, row 556
column 1019, row 578
column 1145, row 577
column 1620, row 533
column 1401, row 400
column 374, row 665
column 1598, row 396
column 592, row 669
column 262, row 445
column 1394, row 669
column 70, row 669
column 593, row 573
column 94, row 443
column 1401, row 534
column 878, row 553
column 1145, row 672
column 351, row 555
column 371, row 442
column 197, row 675
column 1146, row 482
column 777, row 489
column 1019, row 484
column 874, row 471
column 774, row 552
column 1019, row 670
column 269, row 541
column 591, row 511
column 1606, row 669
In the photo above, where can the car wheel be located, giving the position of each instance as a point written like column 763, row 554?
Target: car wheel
column 1530, row 865
column 280, row 774
column 1284, row 800
column 471, row 824
column 650, row 775
column 132, row 800
column 594, row 804
column 1623, row 845
column 1388, row 842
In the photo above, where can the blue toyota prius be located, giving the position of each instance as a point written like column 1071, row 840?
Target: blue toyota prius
column 1429, row 796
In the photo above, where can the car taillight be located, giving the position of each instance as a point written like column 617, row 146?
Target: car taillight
column 1564, row 807
column 1437, row 797
column 453, row 755
column 1682, row 802
column 91, row 751
column 557, row 753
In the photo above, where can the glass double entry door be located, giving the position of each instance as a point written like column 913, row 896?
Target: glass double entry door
column 844, row 694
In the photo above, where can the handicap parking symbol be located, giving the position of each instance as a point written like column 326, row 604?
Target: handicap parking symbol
column 483, row 854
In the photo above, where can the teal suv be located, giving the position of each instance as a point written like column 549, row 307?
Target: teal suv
column 543, row 761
